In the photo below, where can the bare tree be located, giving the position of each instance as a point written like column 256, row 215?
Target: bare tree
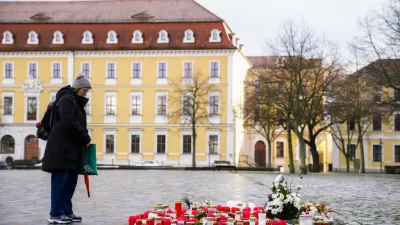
column 308, row 66
column 189, row 104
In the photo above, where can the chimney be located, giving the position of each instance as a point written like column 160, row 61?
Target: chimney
column 241, row 48
column 237, row 42
column 232, row 36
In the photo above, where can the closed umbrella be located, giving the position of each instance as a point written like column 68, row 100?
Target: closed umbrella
column 86, row 178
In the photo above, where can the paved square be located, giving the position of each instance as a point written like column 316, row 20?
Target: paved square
column 117, row 194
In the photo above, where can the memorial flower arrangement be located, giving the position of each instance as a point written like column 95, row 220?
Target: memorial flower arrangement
column 283, row 203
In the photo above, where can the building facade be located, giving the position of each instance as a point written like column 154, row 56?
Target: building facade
column 135, row 53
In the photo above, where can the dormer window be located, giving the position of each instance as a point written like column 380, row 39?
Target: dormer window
column 112, row 37
column 163, row 37
column 58, row 38
column 7, row 38
column 87, row 37
column 137, row 37
column 189, row 37
column 215, row 36
column 33, row 38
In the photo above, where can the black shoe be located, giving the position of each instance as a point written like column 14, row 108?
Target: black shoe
column 74, row 218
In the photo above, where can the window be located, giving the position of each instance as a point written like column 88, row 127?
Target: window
column 351, row 125
column 396, row 95
column 8, row 70
column 33, row 38
column 161, row 143
column 112, row 37
column 136, row 107
column 214, row 105
column 87, row 37
column 351, row 150
column 377, row 122
column 188, row 69
column 397, row 153
column 256, row 84
column 58, row 38
column 7, row 38
column 214, row 70
column 33, row 70
column 110, row 105
column 213, row 144
column 136, row 73
column 137, row 37
column 8, row 105
column 32, row 108
column 376, row 94
column 56, row 70
column 187, row 105
column 280, row 150
column 7, row 145
column 376, row 153
column 162, row 105
column 162, row 70
column 86, row 69
column 135, row 143
column 188, row 37
column 187, row 144
column 215, row 36
column 109, row 143
column 163, row 37
column 110, row 70
column 397, row 122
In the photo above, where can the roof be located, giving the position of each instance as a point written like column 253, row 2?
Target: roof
column 105, row 11
column 277, row 61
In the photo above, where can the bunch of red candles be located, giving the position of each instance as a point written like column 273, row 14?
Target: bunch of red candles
column 213, row 215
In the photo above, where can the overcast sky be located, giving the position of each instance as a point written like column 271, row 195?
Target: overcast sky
column 254, row 21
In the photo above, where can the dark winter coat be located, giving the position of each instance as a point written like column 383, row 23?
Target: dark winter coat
column 69, row 133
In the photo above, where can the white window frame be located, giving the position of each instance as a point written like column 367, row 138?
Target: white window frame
column 183, row 133
column 90, row 69
column 90, row 41
column 186, row 40
column 53, row 79
column 8, row 80
column 8, row 118
column 186, row 118
column 111, row 81
column 52, row 94
column 110, row 131
column 394, row 152
column 89, row 115
column 136, row 118
column 140, row 41
column 355, row 155
column 59, row 42
column 394, row 121
column 276, row 146
column 37, row 96
column 372, row 155
column 135, row 131
column 214, row 118
column 110, row 118
column 211, row 39
column 159, row 40
column 4, row 40
column 161, row 131
column 162, row 80
column 136, row 80
column 214, row 80
column 216, row 132
column 184, row 69
column 35, row 41
column 37, row 69
column 109, row 41
column 161, row 118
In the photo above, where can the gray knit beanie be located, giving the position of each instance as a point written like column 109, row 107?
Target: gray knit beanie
column 81, row 81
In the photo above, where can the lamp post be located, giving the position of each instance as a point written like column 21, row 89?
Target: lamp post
column 380, row 144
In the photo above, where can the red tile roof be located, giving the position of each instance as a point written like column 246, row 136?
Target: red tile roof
column 105, row 11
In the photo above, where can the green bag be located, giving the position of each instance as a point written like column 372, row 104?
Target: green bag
column 89, row 160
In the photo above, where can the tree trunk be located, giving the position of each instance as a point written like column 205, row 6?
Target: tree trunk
column 269, row 154
column 303, row 167
column 360, row 143
column 347, row 164
column 290, row 149
column 315, row 156
column 194, row 145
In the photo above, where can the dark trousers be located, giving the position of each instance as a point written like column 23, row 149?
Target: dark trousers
column 63, row 185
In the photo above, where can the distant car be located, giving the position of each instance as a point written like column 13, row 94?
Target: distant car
column 148, row 163
column 3, row 165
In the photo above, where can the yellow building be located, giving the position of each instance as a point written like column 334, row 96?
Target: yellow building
column 134, row 56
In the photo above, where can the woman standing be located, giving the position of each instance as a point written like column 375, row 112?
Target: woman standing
column 63, row 156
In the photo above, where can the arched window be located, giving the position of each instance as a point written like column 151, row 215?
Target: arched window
column 87, row 37
column 7, row 145
column 215, row 36
column 7, row 38
column 137, row 37
column 189, row 37
column 58, row 38
column 33, row 38
column 163, row 37
column 112, row 37
column 31, row 139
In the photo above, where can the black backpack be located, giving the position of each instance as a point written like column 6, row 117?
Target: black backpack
column 43, row 129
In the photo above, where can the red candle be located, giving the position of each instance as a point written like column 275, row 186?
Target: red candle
column 282, row 222
column 178, row 207
column 166, row 221
column 132, row 220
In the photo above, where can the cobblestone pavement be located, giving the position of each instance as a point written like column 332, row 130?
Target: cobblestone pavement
column 117, row 194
